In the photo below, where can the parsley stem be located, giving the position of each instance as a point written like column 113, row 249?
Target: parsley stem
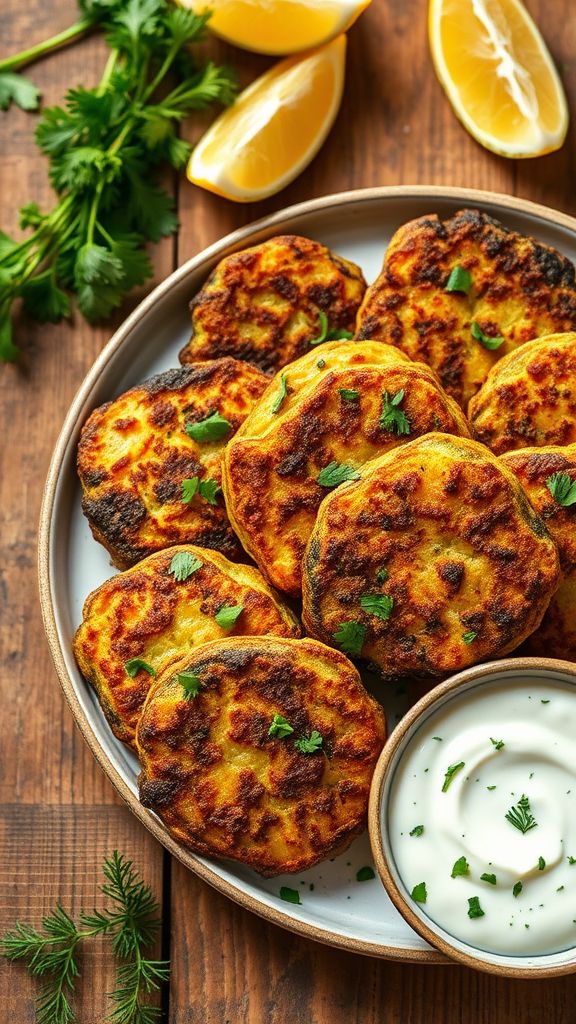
column 20, row 60
column 108, row 72
column 166, row 64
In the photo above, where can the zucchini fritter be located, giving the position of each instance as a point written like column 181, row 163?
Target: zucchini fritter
column 313, row 416
column 151, row 613
column 225, row 786
column 519, row 289
column 432, row 561
column 556, row 635
column 529, row 397
column 266, row 304
column 134, row 454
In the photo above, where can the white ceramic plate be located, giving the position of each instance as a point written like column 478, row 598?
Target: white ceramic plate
column 335, row 908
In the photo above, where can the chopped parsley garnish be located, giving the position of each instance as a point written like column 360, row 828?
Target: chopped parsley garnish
column 541, row 863
column 380, row 605
column 349, row 394
column 392, row 418
column 135, row 664
column 228, row 617
column 517, row 889
column 336, row 473
column 289, row 895
column 490, row 788
column 419, row 894
column 460, row 867
column 460, row 280
column 497, row 744
column 282, row 393
column 450, row 773
column 321, row 364
column 310, row 744
column 190, row 684
column 469, row 637
column 330, row 333
column 183, row 565
column 521, row 816
column 365, row 874
column 350, row 637
column 207, row 489
column 484, row 339
column 213, row 428
column 474, row 908
column 491, row 879
column 382, row 575
column 280, row 727
column 572, row 860
column 544, row 701
column 439, row 738
column 562, row 488
column 417, row 830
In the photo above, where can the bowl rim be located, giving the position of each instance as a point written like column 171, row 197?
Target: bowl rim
column 387, row 763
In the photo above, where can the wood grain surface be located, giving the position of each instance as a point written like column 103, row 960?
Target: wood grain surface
column 59, row 816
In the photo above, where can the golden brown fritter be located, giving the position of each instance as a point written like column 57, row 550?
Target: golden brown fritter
column 529, row 397
column 520, row 289
column 334, row 412
column 266, row 304
column 556, row 635
column 154, row 612
column 227, row 788
column 432, row 561
column 135, row 453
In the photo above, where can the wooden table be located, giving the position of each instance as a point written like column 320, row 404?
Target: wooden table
column 59, row 814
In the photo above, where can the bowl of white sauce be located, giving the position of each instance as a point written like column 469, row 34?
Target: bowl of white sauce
column 473, row 817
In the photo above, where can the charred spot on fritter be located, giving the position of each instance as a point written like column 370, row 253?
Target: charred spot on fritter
column 136, row 452
column 462, row 553
column 517, row 289
column 297, row 738
column 265, row 304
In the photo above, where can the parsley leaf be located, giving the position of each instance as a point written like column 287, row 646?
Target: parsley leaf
column 365, row 874
column 350, row 637
column 19, row 90
column 474, row 908
column 491, row 879
column 183, row 565
column 521, row 816
column 460, row 280
column 213, row 428
column 310, row 744
column 336, row 473
column 418, row 830
column 460, row 867
column 289, row 895
column 450, row 773
column 497, row 744
column 349, row 394
column 392, row 418
column 382, row 575
column 329, row 333
column 281, row 395
column 380, row 605
column 562, row 488
column 541, row 863
column 419, row 893
column 469, row 637
column 135, row 664
column 207, row 489
column 227, row 617
column 484, row 339
column 280, row 727
column 517, row 889
column 190, row 683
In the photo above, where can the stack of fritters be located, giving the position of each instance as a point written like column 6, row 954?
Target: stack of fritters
column 351, row 479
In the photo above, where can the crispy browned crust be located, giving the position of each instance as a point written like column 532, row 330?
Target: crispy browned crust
column 263, row 304
column 146, row 613
column 271, row 466
column 529, row 397
column 134, row 454
column 225, row 788
column 521, row 290
column 463, row 549
column 556, row 635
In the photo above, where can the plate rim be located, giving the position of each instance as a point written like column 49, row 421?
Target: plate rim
column 218, row 249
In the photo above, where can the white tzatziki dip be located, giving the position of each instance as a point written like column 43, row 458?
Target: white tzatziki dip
column 482, row 816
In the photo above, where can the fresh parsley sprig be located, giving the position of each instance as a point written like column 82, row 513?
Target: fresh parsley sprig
column 521, row 816
column 131, row 922
column 105, row 146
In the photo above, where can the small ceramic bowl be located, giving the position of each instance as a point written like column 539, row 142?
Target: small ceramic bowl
column 506, row 670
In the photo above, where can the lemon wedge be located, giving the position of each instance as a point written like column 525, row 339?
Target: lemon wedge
column 498, row 75
column 279, row 27
column 274, row 129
